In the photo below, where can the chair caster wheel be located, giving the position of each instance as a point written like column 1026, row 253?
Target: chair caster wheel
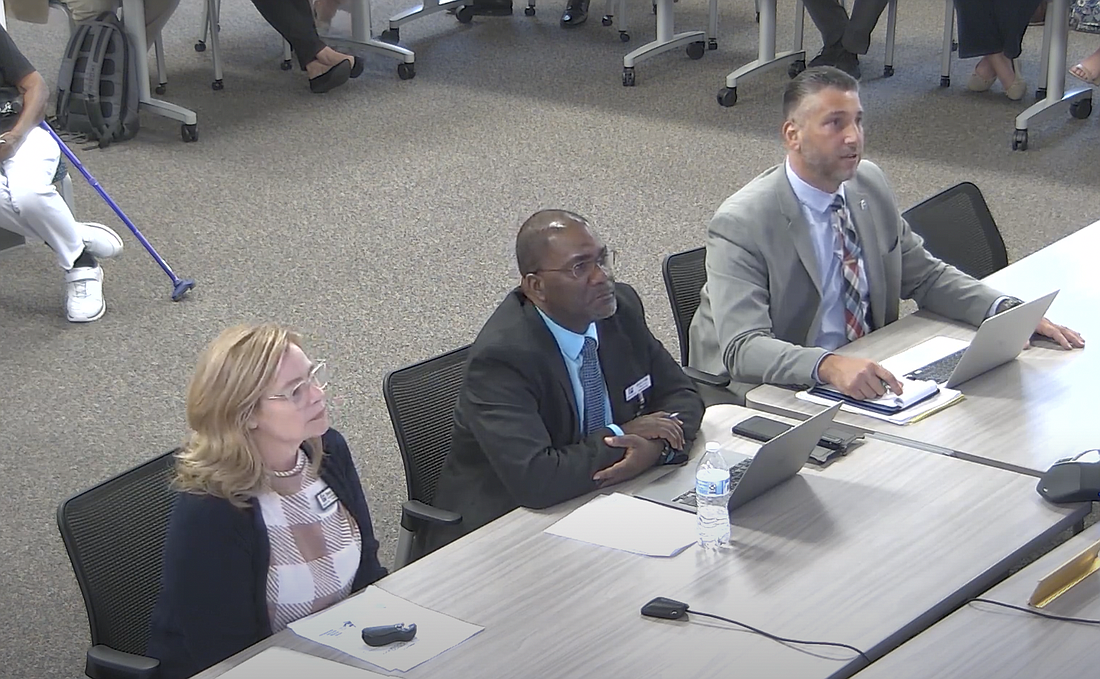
column 628, row 76
column 286, row 65
column 391, row 35
column 795, row 68
column 465, row 14
column 161, row 88
column 200, row 46
column 945, row 81
column 624, row 36
column 217, row 86
column 1081, row 109
column 406, row 71
column 530, row 11
column 1041, row 93
column 727, row 96
column 1019, row 140
column 887, row 71
column 712, row 44
column 606, row 21
column 696, row 50
column 189, row 133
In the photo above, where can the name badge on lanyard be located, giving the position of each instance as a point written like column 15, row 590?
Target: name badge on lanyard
column 326, row 499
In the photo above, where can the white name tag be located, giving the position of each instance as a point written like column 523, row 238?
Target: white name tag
column 636, row 389
column 325, row 499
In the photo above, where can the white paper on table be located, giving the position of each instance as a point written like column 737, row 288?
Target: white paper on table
column 943, row 399
column 926, row 352
column 629, row 524
column 287, row 664
column 340, row 627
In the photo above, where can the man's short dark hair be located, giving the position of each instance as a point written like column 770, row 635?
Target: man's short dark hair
column 534, row 234
column 813, row 80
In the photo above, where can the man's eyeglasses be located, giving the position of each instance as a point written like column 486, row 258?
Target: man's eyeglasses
column 298, row 393
column 585, row 268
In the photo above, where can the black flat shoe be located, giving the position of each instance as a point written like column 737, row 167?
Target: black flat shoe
column 331, row 79
column 357, row 66
column 576, row 13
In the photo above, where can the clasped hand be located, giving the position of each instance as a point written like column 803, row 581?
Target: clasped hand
column 644, row 439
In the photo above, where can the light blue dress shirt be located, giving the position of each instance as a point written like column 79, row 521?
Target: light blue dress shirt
column 571, row 346
column 815, row 208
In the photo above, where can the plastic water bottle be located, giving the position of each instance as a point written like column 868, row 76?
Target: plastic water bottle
column 712, row 494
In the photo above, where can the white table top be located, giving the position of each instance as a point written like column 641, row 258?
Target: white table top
column 981, row 641
column 868, row 551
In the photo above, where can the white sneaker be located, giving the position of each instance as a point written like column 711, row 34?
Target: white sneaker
column 100, row 241
column 84, row 294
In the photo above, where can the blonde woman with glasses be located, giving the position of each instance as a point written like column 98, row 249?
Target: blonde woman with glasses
column 271, row 523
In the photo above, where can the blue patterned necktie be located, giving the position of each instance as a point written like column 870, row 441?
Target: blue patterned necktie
column 594, row 388
column 851, row 264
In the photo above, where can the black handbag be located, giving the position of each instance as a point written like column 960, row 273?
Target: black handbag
column 11, row 105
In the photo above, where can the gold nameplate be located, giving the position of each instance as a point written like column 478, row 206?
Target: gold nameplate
column 1066, row 576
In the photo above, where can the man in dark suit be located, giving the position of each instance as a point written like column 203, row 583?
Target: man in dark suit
column 566, row 389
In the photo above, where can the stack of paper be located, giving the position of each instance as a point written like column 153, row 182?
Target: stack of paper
column 945, row 398
column 630, row 524
column 340, row 627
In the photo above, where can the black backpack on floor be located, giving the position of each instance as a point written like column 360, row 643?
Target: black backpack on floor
column 97, row 88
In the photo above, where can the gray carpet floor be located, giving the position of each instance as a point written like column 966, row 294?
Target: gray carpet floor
column 379, row 220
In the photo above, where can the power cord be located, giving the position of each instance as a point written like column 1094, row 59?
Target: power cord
column 670, row 609
column 1041, row 614
column 780, row 639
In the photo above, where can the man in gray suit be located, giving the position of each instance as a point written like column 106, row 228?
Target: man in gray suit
column 844, row 37
column 814, row 253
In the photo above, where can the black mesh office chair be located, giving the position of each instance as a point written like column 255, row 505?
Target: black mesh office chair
column 114, row 533
column 958, row 228
column 684, row 274
column 421, row 399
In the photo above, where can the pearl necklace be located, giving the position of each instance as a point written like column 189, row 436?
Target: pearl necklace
column 296, row 469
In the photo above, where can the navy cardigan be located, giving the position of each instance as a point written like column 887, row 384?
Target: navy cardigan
column 213, row 599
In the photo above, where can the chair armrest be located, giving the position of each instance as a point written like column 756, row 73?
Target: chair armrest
column 414, row 512
column 707, row 378
column 104, row 662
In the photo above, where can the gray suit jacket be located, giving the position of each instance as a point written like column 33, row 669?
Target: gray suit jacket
column 760, row 308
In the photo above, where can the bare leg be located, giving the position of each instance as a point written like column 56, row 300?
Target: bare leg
column 1089, row 68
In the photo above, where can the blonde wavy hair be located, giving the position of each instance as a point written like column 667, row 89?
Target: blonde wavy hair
column 233, row 374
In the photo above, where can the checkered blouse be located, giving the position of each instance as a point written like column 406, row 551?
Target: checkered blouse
column 315, row 548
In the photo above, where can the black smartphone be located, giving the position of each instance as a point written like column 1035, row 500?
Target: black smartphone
column 760, row 428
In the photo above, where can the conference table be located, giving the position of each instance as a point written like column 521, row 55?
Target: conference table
column 869, row 550
column 984, row 641
column 1023, row 415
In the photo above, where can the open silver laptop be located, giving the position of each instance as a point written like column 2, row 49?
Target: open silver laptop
column 776, row 461
column 999, row 340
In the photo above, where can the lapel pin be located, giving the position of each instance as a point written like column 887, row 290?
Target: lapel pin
column 862, row 205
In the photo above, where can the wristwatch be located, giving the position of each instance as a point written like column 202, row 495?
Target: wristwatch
column 672, row 456
column 1006, row 304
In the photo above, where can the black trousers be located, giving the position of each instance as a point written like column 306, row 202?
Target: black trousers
column 854, row 32
column 993, row 26
column 293, row 19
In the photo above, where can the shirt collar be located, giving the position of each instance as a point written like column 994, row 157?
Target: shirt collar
column 569, row 343
column 811, row 196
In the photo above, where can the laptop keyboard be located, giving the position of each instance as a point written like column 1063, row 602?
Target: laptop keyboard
column 737, row 471
column 938, row 371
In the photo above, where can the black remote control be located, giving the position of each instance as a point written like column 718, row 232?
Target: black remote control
column 388, row 634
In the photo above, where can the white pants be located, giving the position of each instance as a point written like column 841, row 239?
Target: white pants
column 30, row 204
